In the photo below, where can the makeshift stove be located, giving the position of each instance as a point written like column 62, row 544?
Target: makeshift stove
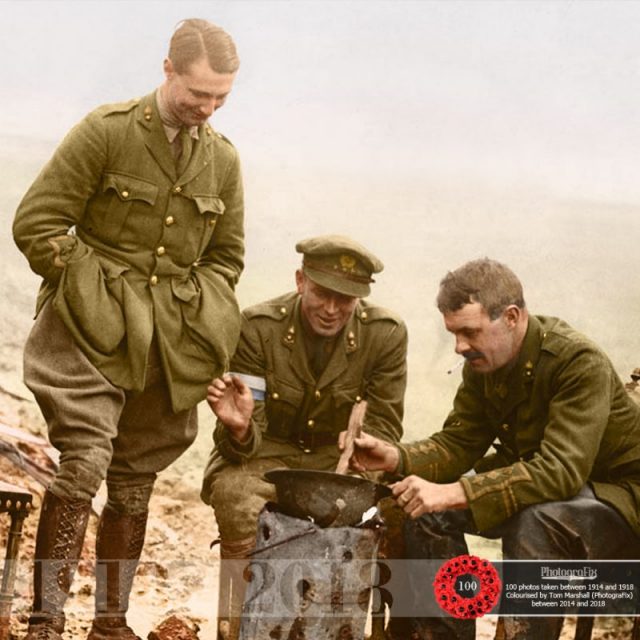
column 309, row 582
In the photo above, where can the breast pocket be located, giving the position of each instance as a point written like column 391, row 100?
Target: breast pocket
column 210, row 209
column 121, row 196
column 282, row 405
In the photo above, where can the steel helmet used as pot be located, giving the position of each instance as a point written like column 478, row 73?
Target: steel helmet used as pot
column 329, row 499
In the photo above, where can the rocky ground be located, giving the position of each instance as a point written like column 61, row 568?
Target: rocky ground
column 178, row 572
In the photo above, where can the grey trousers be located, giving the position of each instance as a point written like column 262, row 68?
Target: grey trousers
column 101, row 430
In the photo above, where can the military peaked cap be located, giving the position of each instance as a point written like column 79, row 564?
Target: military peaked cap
column 339, row 263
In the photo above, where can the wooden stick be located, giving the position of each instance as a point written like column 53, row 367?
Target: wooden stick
column 356, row 420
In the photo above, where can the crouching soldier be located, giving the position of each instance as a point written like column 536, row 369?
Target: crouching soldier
column 310, row 354
column 567, row 437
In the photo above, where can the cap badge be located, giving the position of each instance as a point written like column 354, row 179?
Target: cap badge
column 347, row 262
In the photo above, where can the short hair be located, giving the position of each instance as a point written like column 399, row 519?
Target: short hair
column 486, row 281
column 195, row 38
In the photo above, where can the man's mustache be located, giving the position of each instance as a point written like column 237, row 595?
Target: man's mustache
column 472, row 355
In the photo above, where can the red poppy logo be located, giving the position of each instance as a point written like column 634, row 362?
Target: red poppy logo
column 467, row 587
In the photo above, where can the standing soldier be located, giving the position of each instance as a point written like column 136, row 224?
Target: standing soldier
column 314, row 352
column 136, row 227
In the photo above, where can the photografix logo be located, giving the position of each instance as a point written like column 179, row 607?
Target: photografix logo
column 559, row 573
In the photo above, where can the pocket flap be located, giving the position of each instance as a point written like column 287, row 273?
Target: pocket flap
column 129, row 188
column 281, row 391
column 184, row 289
column 209, row 204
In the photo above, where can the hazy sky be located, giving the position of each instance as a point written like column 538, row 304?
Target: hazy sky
column 544, row 93
column 433, row 132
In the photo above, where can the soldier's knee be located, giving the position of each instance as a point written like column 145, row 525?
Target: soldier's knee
column 534, row 531
column 237, row 498
column 227, row 488
column 536, row 517
column 130, row 496
column 78, row 480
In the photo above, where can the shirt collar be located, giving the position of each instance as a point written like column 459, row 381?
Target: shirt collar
column 527, row 358
column 171, row 125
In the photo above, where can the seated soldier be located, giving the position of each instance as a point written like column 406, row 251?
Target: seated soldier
column 567, row 466
column 315, row 352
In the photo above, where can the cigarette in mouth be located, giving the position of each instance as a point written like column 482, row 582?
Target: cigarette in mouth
column 455, row 368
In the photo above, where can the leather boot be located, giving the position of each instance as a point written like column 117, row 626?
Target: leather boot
column 232, row 586
column 61, row 530
column 118, row 547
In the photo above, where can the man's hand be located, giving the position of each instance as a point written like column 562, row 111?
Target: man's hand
column 417, row 496
column 231, row 400
column 371, row 454
column 58, row 245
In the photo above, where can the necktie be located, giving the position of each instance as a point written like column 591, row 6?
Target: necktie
column 186, row 146
column 319, row 352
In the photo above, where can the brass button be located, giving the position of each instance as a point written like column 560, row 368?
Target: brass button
column 153, row 280
column 363, row 315
column 311, row 424
column 505, row 427
column 169, row 220
column 283, row 311
column 195, row 264
column 177, row 189
column 147, row 116
column 275, row 396
column 305, row 450
column 212, row 221
column 161, row 251
column 358, row 398
column 125, row 194
column 318, row 395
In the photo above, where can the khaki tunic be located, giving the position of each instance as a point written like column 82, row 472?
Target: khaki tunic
column 561, row 418
column 300, row 413
column 153, row 251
